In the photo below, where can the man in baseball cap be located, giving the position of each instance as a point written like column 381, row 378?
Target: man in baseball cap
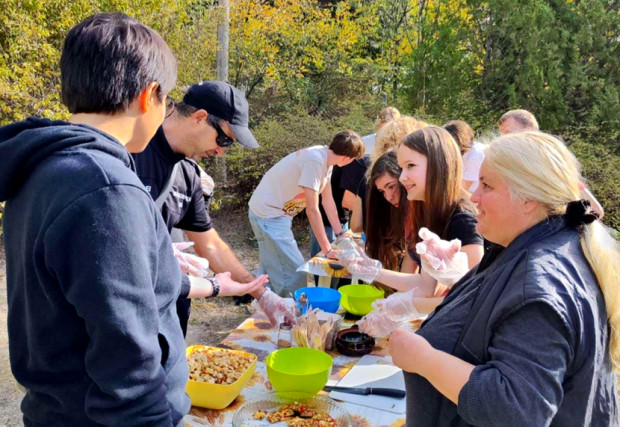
column 209, row 119
column 225, row 102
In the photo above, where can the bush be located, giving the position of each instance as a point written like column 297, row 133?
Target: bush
column 601, row 168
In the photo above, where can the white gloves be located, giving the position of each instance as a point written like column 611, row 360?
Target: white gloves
column 275, row 307
column 389, row 313
column 399, row 306
column 441, row 259
column 377, row 324
column 190, row 264
column 356, row 261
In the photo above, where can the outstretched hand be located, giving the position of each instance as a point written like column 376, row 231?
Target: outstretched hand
column 353, row 257
column 275, row 307
column 228, row 287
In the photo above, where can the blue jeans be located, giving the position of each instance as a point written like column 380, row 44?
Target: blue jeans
column 278, row 253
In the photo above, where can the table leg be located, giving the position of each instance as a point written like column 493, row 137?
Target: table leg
column 325, row 281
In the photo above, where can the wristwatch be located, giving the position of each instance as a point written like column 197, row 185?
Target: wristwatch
column 216, row 287
column 340, row 234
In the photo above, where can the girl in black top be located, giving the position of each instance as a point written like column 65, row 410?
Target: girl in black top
column 431, row 175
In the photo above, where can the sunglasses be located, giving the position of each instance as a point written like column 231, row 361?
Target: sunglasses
column 170, row 107
column 222, row 139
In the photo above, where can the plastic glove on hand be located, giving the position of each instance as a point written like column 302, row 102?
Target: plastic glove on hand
column 441, row 259
column 377, row 325
column 399, row 306
column 357, row 262
column 190, row 264
column 275, row 307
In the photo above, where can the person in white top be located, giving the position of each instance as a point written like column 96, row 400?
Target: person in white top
column 290, row 186
column 515, row 121
column 472, row 152
column 385, row 116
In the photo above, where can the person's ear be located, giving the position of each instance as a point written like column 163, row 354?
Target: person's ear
column 148, row 97
column 530, row 206
column 200, row 115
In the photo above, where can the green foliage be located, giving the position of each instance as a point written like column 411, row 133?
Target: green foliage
column 600, row 166
column 312, row 68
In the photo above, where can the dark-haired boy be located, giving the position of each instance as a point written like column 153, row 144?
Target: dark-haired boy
column 290, row 186
column 91, row 277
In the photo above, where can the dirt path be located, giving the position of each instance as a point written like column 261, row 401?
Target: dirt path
column 209, row 323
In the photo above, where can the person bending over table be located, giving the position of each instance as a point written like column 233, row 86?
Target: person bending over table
column 290, row 186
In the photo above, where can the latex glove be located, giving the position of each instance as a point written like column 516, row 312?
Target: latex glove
column 275, row 307
column 377, row 324
column 399, row 306
column 190, row 264
column 441, row 259
column 357, row 262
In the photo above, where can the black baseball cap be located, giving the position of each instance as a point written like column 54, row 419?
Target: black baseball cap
column 226, row 102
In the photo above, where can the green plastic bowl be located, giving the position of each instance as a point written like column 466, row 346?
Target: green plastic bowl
column 356, row 299
column 298, row 369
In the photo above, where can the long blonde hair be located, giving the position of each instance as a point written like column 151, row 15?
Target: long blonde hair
column 539, row 167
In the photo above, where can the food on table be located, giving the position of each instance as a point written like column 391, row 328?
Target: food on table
column 310, row 332
column 217, row 366
column 298, row 414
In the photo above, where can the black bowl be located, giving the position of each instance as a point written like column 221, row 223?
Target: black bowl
column 351, row 342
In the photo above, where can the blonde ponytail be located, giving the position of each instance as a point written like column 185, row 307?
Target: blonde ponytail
column 602, row 251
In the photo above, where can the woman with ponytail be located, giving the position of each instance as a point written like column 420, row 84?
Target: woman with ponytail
column 531, row 336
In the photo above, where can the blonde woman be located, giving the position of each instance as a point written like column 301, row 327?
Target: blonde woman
column 532, row 334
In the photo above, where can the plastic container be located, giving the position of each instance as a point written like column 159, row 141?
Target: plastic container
column 298, row 369
column 217, row 396
column 273, row 401
column 353, row 343
column 325, row 299
column 357, row 299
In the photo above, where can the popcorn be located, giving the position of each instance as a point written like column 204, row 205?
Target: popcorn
column 217, row 366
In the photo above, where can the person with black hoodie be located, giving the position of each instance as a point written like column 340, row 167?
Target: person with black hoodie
column 91, row 277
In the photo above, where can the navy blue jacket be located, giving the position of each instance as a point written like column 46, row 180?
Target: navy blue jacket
column 537, row 331
column 92, row 282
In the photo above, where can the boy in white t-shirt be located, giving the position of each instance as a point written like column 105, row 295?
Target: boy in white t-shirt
column 292, row 184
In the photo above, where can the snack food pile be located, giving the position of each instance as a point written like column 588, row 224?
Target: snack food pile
column 217, row 366
column 299, row 415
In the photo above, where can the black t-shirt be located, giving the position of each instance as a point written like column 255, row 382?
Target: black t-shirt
column 184, row 207
column 353, row 176
column 354, row 180
column 337, row 193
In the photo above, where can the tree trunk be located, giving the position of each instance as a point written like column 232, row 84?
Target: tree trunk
column 222, row 41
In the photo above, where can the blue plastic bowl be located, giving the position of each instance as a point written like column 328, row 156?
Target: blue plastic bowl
column 325, row 299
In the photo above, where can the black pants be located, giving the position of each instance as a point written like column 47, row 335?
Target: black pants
column 184, row 307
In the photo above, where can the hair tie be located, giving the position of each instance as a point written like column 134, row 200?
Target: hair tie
column 580, row 213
